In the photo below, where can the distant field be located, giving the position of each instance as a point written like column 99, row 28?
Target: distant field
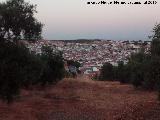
column 83, row 99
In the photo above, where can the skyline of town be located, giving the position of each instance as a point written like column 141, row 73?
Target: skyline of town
column 92, row 54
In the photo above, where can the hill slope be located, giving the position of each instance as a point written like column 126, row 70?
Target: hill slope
column 83, row 99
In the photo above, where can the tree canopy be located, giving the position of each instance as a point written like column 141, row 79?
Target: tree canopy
column 107, row 72
column 155, row 47
column 17, row 21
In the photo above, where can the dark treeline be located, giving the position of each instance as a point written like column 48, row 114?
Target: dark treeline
column 20, row 68
column 142, row 70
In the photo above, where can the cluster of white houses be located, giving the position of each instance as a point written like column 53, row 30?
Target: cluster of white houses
column 92, row 54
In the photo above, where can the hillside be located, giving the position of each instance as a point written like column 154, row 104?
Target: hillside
column 83, row 99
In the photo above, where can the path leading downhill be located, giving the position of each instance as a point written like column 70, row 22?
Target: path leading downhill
column 83, row 99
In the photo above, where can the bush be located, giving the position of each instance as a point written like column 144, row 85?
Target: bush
column 122, row 72
column 107, row 72
column 18, row 68
column 53, row 66
column 21, row 69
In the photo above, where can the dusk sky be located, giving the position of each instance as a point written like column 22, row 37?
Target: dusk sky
column 74, row 19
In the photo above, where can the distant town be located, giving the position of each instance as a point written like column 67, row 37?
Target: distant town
column 92, row 54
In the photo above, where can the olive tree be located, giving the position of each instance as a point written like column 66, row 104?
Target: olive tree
column 18, row 67
column 17, row 21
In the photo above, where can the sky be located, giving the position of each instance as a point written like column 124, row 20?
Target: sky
column 75, row 19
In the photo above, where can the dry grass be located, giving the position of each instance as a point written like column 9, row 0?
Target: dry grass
column 83, row 99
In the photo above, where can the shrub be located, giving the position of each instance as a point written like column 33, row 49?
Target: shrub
column 53, row 65
column 107, row 72
column 18, row 68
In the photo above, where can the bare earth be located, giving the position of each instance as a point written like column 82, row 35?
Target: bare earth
column 83, row 99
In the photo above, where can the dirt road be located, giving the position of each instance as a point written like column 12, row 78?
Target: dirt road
column 83, row 99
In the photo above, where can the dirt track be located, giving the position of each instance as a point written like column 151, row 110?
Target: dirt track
column 83, row 99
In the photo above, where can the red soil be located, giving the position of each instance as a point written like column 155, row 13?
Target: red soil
column 83, row 99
